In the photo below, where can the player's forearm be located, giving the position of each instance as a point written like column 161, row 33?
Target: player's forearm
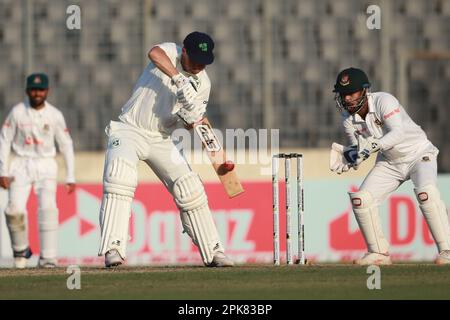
column 3, row 168
column 69, row 159
column 162, row 61
column 5, row 150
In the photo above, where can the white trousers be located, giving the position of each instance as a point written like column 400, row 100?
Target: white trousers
column 159, row 153
column 382, row 180
column 385, row 178
column 41, row 174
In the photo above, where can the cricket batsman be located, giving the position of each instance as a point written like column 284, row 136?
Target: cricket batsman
column 376, row 123
column 172, row 92
column 30, row 130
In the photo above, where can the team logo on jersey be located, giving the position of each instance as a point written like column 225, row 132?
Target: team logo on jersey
column 378, row 122
column 46, row 128
column 426, row 159
column 115, row 143
column 345, row 80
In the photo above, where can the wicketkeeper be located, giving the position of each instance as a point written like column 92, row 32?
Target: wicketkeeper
column 377, row 123
column 163, row 99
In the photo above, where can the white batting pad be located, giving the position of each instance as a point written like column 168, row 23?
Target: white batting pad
column 114, row 222
column 17, row 226
column 368, row 218
column 120, row 180
column 120, row 177
column 196, row 217
column 435, row 213
column 48, row 232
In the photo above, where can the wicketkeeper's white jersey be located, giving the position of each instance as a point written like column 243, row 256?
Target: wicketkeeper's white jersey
column 401, row 139
column 32, row 133
column 153, row 104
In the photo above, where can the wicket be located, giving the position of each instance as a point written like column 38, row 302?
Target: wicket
column 300, row 208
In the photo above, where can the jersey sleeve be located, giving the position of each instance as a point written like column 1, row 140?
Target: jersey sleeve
column 6, row 137
column 389, row 112
column 349, row 130
column 171, row 50
column 65, row 145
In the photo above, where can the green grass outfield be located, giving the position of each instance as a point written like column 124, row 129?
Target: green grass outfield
column 402, row 281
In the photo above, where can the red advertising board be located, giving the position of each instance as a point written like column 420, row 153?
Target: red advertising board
column 244, row 223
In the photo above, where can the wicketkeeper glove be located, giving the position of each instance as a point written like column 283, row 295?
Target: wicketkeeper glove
column 366, row 146
column 343, row 158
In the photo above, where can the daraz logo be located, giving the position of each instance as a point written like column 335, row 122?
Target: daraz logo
column 203, row 46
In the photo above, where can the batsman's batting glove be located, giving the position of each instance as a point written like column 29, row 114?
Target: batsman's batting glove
column 190, row 116
column 187, row 89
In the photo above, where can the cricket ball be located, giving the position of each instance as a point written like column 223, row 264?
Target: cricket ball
column 228, row 165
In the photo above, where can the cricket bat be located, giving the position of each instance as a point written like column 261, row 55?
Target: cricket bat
column 225, row 170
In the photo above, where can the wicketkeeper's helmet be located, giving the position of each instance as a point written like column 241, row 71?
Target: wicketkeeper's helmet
column 350, row 81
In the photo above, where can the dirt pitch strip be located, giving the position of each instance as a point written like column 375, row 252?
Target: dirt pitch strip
column 321, row 281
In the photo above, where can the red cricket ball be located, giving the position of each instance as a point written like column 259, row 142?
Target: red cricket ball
column 228, row 165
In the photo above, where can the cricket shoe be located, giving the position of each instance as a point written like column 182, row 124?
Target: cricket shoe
column 443, row 257
column 113, row 258
column 373, row 258
column 21, row 257
column 47, row 263
column 221, row 260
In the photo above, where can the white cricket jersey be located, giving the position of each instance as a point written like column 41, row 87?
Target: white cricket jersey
column 153, row 104
column 32, row 133
column 401, row 139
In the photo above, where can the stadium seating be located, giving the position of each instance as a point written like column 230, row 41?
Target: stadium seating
column 93, row 70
